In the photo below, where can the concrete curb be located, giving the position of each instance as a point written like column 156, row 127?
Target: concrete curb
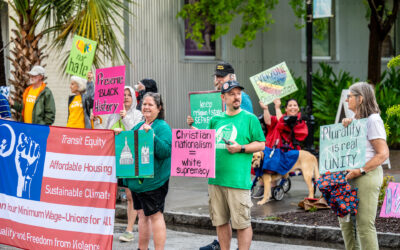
column 280, row 229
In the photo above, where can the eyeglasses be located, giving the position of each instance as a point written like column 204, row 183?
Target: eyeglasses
column 349, row 95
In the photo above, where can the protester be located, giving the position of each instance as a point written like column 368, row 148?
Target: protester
column 5, row 112
column 149, row 193
column 37, row 105
column 224, row 72
column 89, row 99
column 367, row 179
column 77, row 104
column 144, row 86
column 287, row 130
column 124, row 121
column 238, row 136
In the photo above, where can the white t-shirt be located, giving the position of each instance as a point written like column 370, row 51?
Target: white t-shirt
column 375, row 130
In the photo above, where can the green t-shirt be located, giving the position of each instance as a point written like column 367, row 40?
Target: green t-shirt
column 233, row 170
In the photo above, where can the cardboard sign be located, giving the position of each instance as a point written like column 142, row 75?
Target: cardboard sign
column 109, row 90
column 134, row 154
column 58, row 187
column 193, row 153
column 204, row 105
column 275, row 82
column 391, row 204
column 342, row 148
column 81, row 56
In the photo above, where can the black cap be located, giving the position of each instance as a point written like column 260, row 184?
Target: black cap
column 223, row 69
column 229, row 85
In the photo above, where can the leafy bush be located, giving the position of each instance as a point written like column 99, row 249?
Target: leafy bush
column 392, row 126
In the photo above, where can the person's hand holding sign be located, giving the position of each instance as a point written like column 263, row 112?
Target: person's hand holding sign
column 122, row 113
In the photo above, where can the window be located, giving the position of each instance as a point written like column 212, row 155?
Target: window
column 389, row 47
column 321, row 44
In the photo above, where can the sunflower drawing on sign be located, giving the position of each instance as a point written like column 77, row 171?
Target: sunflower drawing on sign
column 275, row 82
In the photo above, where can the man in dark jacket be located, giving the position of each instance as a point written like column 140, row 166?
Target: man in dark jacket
column 37, row 105
column 144, row 86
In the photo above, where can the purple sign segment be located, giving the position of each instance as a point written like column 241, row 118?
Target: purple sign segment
column 193, row 153
column 391, row 204
column 109, row 90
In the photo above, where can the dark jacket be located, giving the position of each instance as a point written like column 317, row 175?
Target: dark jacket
column 150, row 86
column 87, row 103
column 44, row 109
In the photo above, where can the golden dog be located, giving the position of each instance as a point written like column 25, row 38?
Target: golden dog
column 307, row 163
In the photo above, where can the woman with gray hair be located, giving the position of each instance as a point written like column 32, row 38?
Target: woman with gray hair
column 361, row 233
column 76, row 103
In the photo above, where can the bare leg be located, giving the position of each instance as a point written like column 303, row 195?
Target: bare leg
column 159, row 230
column 244, row 237
column 144, row 230
column 131, row 213
column 224, row 233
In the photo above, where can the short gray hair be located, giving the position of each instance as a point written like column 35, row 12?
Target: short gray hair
column 368, row 106
column 81, row 83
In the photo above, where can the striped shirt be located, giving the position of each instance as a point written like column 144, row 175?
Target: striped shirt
column 4, row 108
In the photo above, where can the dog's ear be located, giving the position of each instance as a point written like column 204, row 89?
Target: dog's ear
column 262, row 154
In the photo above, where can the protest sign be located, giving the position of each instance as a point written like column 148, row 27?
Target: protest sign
column 275, row 82
column 109, row 90
column 391, row 204
column 5, row 91
column 193, row 153
column 342, row 148
column 81, row 56
column 203, row 106
column 58, row 187
column 134, row 151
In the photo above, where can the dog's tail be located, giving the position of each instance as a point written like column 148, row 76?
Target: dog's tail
column 316, row 168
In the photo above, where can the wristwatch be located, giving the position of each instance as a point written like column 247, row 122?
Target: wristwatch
column 362, row 171
column 242, row 150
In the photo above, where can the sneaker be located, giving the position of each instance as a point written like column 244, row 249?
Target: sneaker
column 258, row 192
column 213, row 246
column 127, row 236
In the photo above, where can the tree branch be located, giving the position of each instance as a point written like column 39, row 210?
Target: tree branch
column 388, row 24
column 374, row 12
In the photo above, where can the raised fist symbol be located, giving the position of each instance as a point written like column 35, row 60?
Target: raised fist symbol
column 27, row 156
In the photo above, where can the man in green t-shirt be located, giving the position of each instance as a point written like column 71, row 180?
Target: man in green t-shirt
column 238, row 136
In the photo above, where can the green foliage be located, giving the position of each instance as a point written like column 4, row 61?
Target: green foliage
column 392, row 126
column 313, row 210
column 256, row 16
column 382, row 192
column 300, row 95
column 394, row 62
column 273, row 218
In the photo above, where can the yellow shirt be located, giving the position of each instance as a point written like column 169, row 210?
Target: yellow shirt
column 30, row 103
column 76, row 118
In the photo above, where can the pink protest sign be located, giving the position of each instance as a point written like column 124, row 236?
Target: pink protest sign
column 391, row 204
column 193, row 153
column 109, row 90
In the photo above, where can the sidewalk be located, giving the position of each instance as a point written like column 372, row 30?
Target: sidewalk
column 187, row 205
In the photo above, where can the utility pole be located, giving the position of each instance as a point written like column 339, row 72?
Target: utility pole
column 310, row 118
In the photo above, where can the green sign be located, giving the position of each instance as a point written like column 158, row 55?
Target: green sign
column 134, row 154
column 204, row 105
column 342, row 148
column 275, row 82
column 81, row 57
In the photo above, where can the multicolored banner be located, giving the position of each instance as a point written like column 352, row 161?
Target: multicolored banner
column 57, row 187
column 109, row 90
column 391, row 204
column 342, row 148
column 81, row 56
column 275, row 82
column 204, row 105
column 193, row 153
column 134, row 151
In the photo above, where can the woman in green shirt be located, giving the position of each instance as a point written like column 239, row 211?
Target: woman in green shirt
column 149, row 194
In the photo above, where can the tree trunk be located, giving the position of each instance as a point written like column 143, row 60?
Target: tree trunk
column 2, row 66
column 374, row 52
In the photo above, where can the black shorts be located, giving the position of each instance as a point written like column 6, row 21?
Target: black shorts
column 151, row 201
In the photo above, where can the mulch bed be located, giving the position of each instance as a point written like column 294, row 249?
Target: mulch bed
column 327, row 218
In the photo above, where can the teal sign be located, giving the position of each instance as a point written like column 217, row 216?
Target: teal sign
column 134, row 154
column 204, row 105
column 342, row 148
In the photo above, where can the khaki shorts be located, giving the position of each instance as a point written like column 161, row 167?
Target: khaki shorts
column 232, row 204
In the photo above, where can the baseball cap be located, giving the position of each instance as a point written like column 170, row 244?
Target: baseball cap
column 223, row 69
column 229, row 85
column 37, row 70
